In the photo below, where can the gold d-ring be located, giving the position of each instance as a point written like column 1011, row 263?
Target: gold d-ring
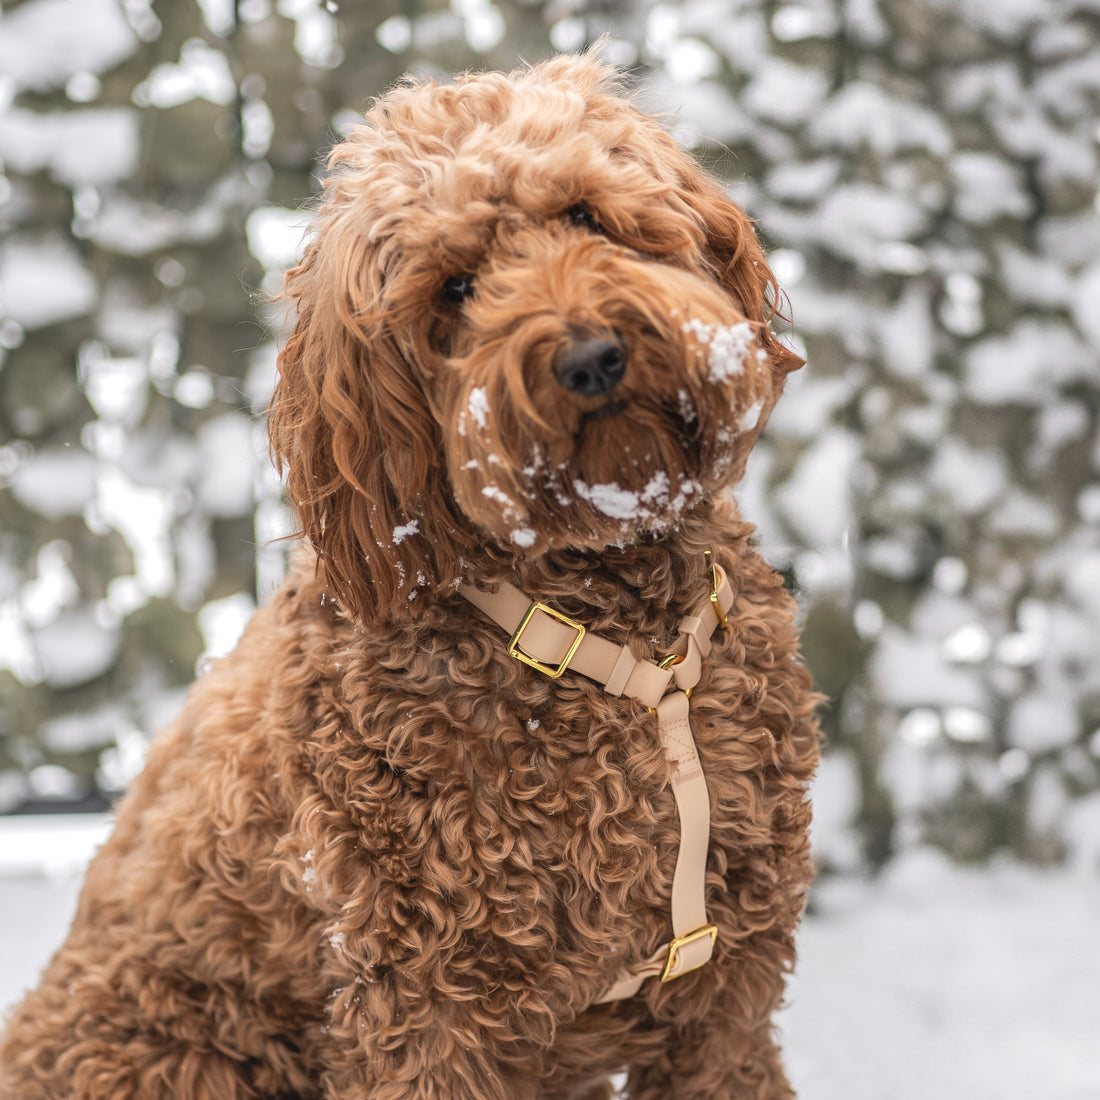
column 723, row 622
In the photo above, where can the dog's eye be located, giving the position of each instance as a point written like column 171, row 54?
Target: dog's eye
column 457, row 289
column 581, row 215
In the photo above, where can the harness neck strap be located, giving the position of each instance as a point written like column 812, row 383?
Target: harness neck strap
column 552, row 643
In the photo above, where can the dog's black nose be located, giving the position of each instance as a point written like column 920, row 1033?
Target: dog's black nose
column 591, row 366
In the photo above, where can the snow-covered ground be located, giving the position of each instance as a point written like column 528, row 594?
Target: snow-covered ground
column 931, row 982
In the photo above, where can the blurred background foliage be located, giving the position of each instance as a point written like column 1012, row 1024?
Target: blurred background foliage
column 925, row 177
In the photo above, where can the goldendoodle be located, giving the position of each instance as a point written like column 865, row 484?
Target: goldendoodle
column 504, row 792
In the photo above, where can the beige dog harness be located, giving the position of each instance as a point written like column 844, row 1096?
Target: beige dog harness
column 550, row 642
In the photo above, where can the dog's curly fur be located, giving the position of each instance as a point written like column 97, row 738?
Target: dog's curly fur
column 375, row 856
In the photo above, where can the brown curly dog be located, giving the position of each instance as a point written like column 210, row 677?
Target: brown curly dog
column 421, row 835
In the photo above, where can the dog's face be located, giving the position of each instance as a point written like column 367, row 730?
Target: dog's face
column 526, row 317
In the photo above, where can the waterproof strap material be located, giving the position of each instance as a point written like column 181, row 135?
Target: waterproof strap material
column 552, row 643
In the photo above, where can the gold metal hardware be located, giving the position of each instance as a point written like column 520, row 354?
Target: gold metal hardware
column 547, row 670
column 723, row 622
column 682, row 941
column 669, row 661
column 686, row 691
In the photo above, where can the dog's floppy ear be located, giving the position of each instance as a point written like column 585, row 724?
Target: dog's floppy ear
column 350, row 426
column 741, row 266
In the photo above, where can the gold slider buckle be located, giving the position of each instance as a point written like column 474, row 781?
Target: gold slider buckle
column 547, row 670
column 682, row 941
column 723, row 622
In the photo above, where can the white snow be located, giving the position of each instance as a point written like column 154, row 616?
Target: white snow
column 807, row 404
column 1086, row 295
column 1042, row 720
column 802, row 182
column 43, row 281
column 143, row 515
column 227, row 460
column 971, row 478
column 404, row 530
column 76, row 647
column 85, row 730
column 626, row 504
column 737, row 30
column 53, row 587
column 218, row 16
column 795, row 22
column 135, row 228
column 1006, row 18
column 44, row 43
column 865, row 114
column 483, row 23
column 568, row 35
column 497, row 494
column 751, row 416
column 988, row 187
column 315, row 32
column 17, row 653
column 967, row 726
column 783, row 92
column 1082, row 581
column 1058, row 425
column 1074, row 239
column 117, row 388
column 1026, row 365
column 913, row 672
column 970, row 644
column 394, row 34
column 195, row 389
column 856, row 220
column 1026, row 515
column 906, row 334
column 728, row 346
column 201, row 73
column 222, row 623
column 816, row 499
column 609, row 498
column 836, row 793
column 275, row 235
column 92, row 146
column 478, row 406
column 689, row 60
column 939, row 982
column 56, row 847
column 1044, row 281
column 706, row 108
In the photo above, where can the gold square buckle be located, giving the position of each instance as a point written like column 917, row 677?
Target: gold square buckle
column 682, row 941
column 547, row 670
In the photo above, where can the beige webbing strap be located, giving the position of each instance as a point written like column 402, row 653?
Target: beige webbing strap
column 550, row 642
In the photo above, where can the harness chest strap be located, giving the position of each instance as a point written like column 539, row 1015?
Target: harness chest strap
column 551, row 643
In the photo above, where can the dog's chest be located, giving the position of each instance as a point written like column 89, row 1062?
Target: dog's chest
column 550, row 793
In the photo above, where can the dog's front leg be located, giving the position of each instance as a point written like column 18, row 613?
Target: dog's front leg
column 390, row 1041
column 722, row 1047
column 708, row 1060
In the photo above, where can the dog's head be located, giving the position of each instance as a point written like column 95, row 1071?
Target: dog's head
column 525, row 317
